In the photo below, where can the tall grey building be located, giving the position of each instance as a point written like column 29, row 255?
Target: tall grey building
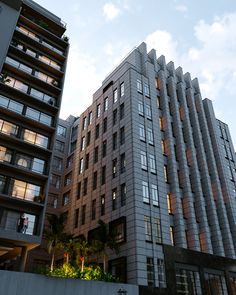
column 154, row 163
column 33, row 55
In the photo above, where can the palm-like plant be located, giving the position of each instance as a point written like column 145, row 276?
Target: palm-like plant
column 83, row 249
column 103, row 240
column 56, row 236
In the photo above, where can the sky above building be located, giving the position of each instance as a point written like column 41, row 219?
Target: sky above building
column 199, row 36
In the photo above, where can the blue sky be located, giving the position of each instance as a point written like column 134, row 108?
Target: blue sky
column 198, row 35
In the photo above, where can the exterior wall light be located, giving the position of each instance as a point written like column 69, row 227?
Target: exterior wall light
column 122, row 291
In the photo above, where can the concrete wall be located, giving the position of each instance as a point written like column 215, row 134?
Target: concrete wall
column 19, row 283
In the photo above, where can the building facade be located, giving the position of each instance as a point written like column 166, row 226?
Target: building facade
column 33, row 59
column 154, row 163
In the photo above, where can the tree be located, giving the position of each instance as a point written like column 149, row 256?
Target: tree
column 56, row 236
column 83, row 249
column 104, row 239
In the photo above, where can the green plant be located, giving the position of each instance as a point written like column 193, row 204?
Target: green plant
column 65, row 271
column 42, row 23
column 4, row 78
column 65, row 38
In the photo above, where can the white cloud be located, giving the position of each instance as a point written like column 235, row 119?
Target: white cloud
column 181, row 8
column 110, row 11
column 109, row 49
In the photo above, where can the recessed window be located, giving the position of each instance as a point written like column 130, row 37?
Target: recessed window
column 84, row 123
column 95, row 176
column 82, row 143
column 114, row 168
column 150, row 272
column 87, row 162
column 66, row 198
column 114, row 199
column 98, row 110
column 148, row 228
column 145, row 191
column 104, row 125
column 152, row 163
column 115, row 117
column 143, row 160
column 148, row 112
column 123, row 194
column 81, row 165
column 106, row 104
column 142, row 132
column 157, row 230
column 114, row 141
column 146, row 90
column 93, row 209
column 155, row 197
column 122, row 135
column 103, row 177
column 61, row 131
column 97, row 131
column 139, row 86
column 122, row 163
column 150, row 136
column 122, row 111
column 90, row 118
column 8, row 128
column 140, row 108
column 122, row 89
column 102, row 205
column 96, row 154
column 83, row 215
column 115, row 96
column 85, row 186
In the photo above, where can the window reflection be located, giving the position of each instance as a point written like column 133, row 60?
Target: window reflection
column 24, row 190
column 35, row 138
column 8, row 128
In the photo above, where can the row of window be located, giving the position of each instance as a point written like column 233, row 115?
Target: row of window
column 42, row 76
column 24, row 161
column 148, row 112
column 140, row 87
column 37, row 55
column 25, row 134
column 151, row 273
column 14, row 83
column 143, row 132
column 144, row 163
column 38, row 39
column 28, row 112
column 21, row 189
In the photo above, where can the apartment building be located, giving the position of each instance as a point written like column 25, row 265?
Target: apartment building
column 154, row 163
column 33, row 57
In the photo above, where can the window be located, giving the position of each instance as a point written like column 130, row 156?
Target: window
column 114, row 199
column 158, row 83
column 83, row 215
column 114, row 168
column 105, row 104
column 81, row 165
column 104, row 125
column 114, row 141
column 122, row 135
column 78, row 190
column 157, row 230
column 35, row 138
column 145, row 191
column 95, row 176
column 148, row 228
column 117, row 228
column 150, row 136
column 2, row 183
column 68, row 178
column 166, row 173
column 122, row 111
column 103, row 179
column 55, row 180
column 59, row 146
column 172, row 235
column 123, row 194
column 61, row 131
column 98, row 110
column 5, row 154
column 163, row 147
column 88, row 139
column 93, row 213
column 82, row 144
column 161, row 273
column 122, row 89
column 150, row 272
column 152, row 164
column 85, row 190
column 53, row 200
column 11, row 104
column 122, row 163
column 84, row 123
column 30, row 163
column 97, row 131
column 38, row 116
column 148, row 112
column 8, row 128
column 87, row 162
column 57, row 163
column 146, row 90
column 104, row 148
column 90, row 118
column 114, row 117
column 159, row 102
column 140, row 108
column 102, row 205
column 143, row 160
column 215, row 283
column 66, row 198
column 96, row 154
column 25, row 190
column 115, row 96
column 170, row 211
column 155, row 197
column 76, row 221
column 142, row 132
column 139, row 86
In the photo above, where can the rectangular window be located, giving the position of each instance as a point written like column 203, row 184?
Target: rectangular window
column 96, row 154
column 68, row 179
column 122, row 163
column 105, row 104
column 122, row 111
column 102, row 205
column 104, row 125
column 97, row 131
column 157, row 230
column 84, row 123
column 148, row 228
column 59, row 146
column 90, row 118
column 9, row 128
column 114, row 168
column 142, row 132
column 55, row 180
column 143, row 160
column 95, row 176
column 114, row 117
column 76, row 221
column 82, row 144
column 81, row 165
column 5, row 154
column 34, row 138
column 104, row 148
column 86, row 162
column 3, row 180
column 122, row 89
column 163, row 147
column 155, row 196
column 161, row 123
column 150, row 136
column 114, row 199
column 114, row 141
column 123, row 194
column 152, row 164
column 150, row 272
column 88, row 139
column 172, row 238
column 115, row 96
column 159, row 102
column 78, row 190
column 103, row 178
column 148, row 112
column 93, row 213
column 166, row 173
column 85, row 190
column 66, row 198
column 170, row 211
column 24, row 190
column 145, row 191
column 122, row 135
column 139, row 86
column 98, row 110
column 146, row 90
column 162, row 274
column 61, row 131
column 83, row 215
column 140, row 108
